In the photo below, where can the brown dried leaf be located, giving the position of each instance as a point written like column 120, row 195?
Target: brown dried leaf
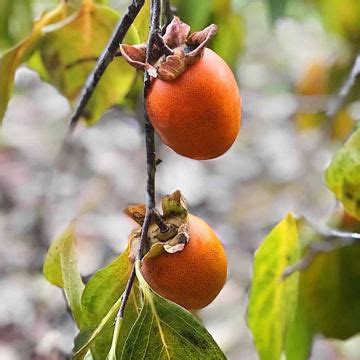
column 136, row 212
column 135, row 55
column 172, row 67
column 198, row 40
column 176, row 33
column 179, row 241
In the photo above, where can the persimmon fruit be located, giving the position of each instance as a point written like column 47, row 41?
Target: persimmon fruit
column 198, row 114
column 193, row 101
column 194, row 276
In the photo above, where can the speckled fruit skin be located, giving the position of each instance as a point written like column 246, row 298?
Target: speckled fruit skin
column 198, row 115
column 194, row 276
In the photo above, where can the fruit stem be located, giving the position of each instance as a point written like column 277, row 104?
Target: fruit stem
column 160, row 222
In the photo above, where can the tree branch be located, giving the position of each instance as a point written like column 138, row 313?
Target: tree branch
column 167, row 13
column 155, row 11
column 105, row 58
column 335, row 104
column 336, row 239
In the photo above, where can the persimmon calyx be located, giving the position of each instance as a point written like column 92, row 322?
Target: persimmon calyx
column 180, row 48
column 175, row 216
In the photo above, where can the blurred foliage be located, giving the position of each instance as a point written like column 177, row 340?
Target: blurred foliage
column 276, row 9
column 230, row 39
column 12, row 26
column 66, row 52
column 142, row 21
column 314, row 80
column 331, row 290
column 343, row 175
column 11, row 59
column 342, row 17
column 69, row 51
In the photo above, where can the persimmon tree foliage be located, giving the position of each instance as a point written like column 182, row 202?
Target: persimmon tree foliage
column 306, row 279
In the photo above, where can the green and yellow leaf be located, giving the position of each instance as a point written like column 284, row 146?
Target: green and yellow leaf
column 11, row 59
column 60, row 269
column 100, row 295
column 165, row 330
column 70, row 49
column 273, row 301
column 343, row 175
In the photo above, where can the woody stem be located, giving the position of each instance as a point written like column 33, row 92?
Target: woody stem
column 150, row 155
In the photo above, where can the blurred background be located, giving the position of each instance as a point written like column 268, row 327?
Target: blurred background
column 290, row 58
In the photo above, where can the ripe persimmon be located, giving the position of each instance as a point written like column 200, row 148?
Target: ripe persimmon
column 194, row 276
column 193, row 102
column 198, row 114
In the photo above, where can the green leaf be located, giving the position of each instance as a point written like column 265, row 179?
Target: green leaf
column 272, row 302
column 70, row 49
column 196, row 13
column 165, row 330
column 229, row 41
column 276, row 9
column 343, row 175
column 100, row 294
column 331, row 288
column 10, row 34
column 141, row 22
column 11, row 59
column 60, row 269
column 87, row 336
column 300, row 334
column 347, row 19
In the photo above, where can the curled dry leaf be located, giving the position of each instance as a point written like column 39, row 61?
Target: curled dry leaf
column 172, row 240
column 136, row 212
column 184, row 49
column 176, row 33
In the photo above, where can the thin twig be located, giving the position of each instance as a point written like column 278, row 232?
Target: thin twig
column 105, row 58
column 150, row 159
column 126, row 294
column 335, row 239
column 336, row 104
column 167, row 13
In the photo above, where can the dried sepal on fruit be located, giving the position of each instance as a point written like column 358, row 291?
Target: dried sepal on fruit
column 175, row 217
column 182, row 50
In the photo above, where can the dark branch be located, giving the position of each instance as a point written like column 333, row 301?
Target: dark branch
column 160, row 222
column 126, row 294
column 105, row 58
column 150, row 156
column 335, row 239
